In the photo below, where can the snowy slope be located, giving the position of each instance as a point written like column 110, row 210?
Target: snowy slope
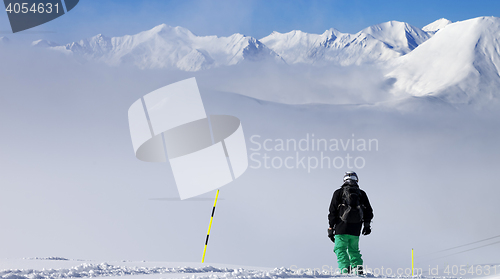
column 460, row 64
column 376, row 43
column 436, row 25
column 171, row 47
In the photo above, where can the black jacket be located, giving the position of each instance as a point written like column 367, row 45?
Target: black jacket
column 348, row 228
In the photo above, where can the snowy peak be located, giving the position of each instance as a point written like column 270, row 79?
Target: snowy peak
column 436, row 25
column 460, row 64
column 257, row 51
column 400, row 36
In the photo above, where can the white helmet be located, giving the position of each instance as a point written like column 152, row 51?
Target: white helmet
column 350, row 175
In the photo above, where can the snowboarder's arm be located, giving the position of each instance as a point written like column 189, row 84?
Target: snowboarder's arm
column 367, row 210
column 333, row 216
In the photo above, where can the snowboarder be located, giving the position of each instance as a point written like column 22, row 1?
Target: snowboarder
column 350, row 210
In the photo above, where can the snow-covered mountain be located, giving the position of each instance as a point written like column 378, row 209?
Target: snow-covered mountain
column 376, row 43
column 171, row 47
column 176, row 47
column 460, row 64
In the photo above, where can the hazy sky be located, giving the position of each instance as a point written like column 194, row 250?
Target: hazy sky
column 257, row 18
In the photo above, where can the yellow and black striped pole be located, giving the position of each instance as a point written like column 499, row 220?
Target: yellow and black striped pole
column 412, row 265
column 210, row 226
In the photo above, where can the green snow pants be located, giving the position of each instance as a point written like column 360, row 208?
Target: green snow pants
column 347, row 251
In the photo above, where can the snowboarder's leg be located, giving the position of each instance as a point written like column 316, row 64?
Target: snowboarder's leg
column 341, row 246
column 354, row 253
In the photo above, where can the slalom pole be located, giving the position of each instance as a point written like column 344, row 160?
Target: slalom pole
column 412, row 262
column 210, row 226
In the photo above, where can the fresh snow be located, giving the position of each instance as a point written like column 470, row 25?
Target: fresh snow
column 87, row 270
column 53, row 269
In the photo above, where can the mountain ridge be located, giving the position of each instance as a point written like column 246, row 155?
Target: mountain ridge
column 374, row 44
column 165, row 46
column 170, row 47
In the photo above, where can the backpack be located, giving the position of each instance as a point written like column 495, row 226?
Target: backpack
column 350, row 210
